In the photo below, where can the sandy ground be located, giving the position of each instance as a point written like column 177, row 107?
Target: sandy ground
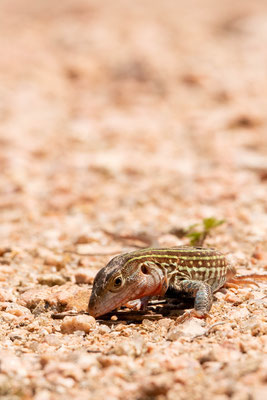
column 129, row 118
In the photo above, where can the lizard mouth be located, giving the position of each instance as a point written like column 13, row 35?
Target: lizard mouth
column 96, row 309
column 100, row 305
column 95, row 313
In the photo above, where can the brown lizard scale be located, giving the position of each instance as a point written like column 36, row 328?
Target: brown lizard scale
column 194, row 271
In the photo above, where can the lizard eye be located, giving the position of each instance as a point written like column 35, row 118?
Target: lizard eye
column 117, row 282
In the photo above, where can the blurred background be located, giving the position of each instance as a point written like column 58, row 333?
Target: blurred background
column 132, row 116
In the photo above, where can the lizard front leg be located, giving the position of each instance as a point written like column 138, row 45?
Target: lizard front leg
column 202, row 293
column 138, row 304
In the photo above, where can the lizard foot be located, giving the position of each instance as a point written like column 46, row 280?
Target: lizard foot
column 138, row 304
column 191, row 314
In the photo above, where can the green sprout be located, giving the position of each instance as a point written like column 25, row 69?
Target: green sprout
column 197, row 233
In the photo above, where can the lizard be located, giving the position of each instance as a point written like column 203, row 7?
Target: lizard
column 165, row 272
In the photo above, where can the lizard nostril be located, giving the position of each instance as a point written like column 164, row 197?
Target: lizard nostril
column 144, row 269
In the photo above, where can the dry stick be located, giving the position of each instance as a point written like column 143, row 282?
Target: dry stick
column 142, row 237
column 238, row 280
column 253, row 276
column 67, row 314
column 202, row 239
column 104, row 253
column 132, row 315
column 208, row 330
column 93, row 351
column 129, row 316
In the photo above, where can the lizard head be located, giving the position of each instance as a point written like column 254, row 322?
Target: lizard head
column 124, row 279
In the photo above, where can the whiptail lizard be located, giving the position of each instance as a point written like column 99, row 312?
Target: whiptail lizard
column 195, row 271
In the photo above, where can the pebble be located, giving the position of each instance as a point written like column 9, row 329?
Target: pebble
column 83, row 323
column 54, row 260
column 16, row 309
column 4, row 250
column 190, row 328
column 12, row 365
column 18, row 334
column 103, row 329
column 51, row 280
column 232, row 298
column 68, row 297
column 6, row 295
column 131, row 347
column 255, row 326
column 165, row 322
column 84, row 276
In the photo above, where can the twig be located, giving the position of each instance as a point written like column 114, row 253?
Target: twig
column 93, row 351
column 130, row 316
column 67, row 314
column 208, row 330
column 216, row 324
column 148, row 240
column 102, row 253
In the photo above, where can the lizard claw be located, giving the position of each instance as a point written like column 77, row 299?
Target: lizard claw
column 133, row 305
column 191, row 314
column 138, row 304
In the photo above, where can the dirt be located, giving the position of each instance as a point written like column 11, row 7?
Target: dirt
column 122, row 123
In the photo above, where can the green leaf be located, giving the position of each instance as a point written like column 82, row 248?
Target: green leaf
column 195, row 237
column 191, row 227
column 210, row 223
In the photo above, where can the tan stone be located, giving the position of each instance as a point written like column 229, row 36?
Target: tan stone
column 65, row 297
column 78, row 323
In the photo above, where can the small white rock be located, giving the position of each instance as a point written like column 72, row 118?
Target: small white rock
column 190, row 328
column 78, row 323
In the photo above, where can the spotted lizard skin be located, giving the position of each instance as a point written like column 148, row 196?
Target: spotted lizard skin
column 195, row 271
